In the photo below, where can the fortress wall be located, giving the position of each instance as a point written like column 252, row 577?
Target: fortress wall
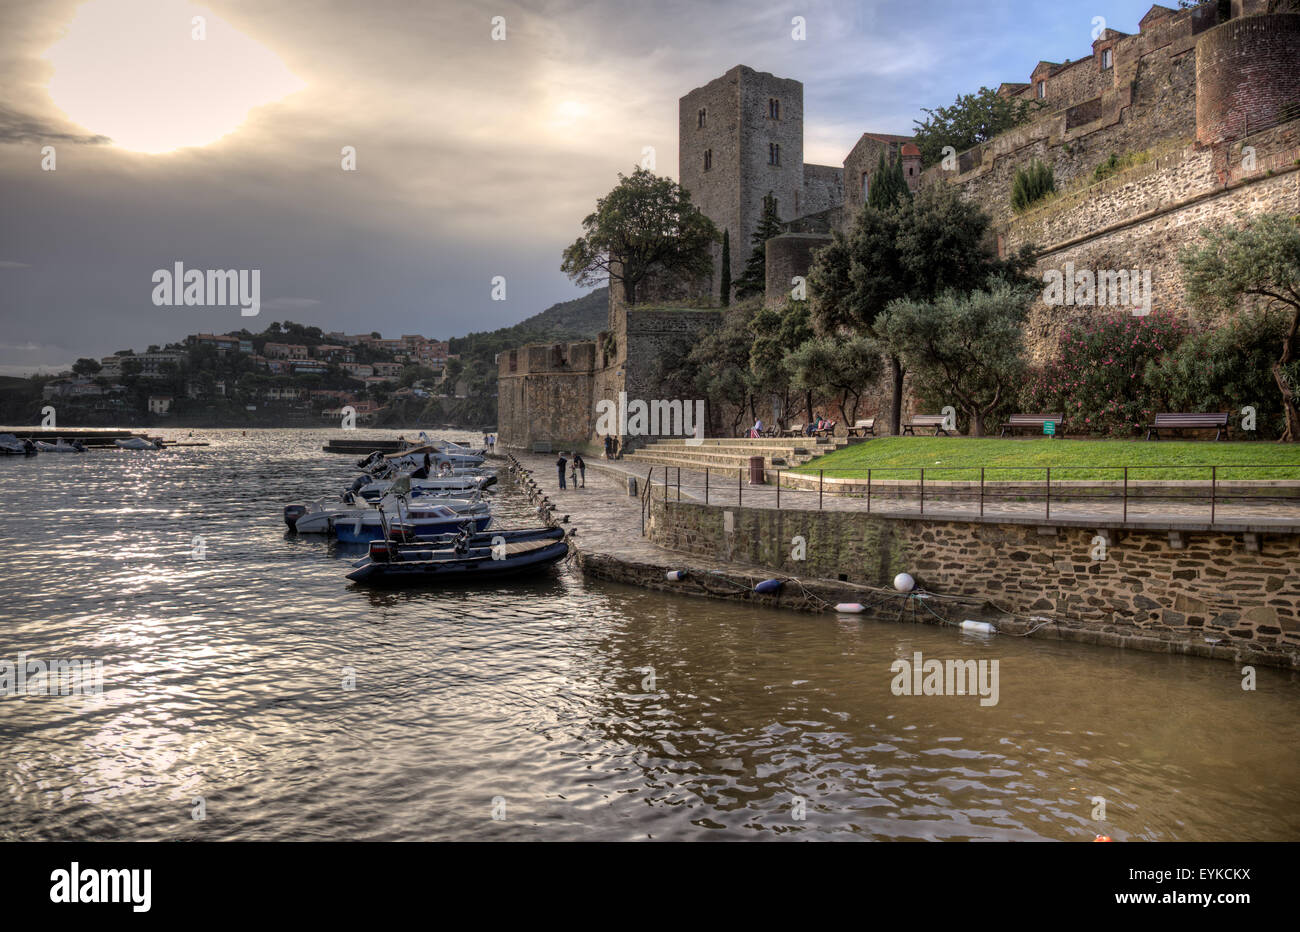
column 788, row 255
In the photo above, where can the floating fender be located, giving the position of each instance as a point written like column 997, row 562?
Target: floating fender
column 983, row 627
column 768, row 585
column 904, row 582
column 676, row 575
column 850, row 608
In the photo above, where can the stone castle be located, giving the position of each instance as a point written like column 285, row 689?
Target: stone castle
column 1201, row 107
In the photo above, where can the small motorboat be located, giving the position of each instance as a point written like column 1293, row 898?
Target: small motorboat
column 137, row 443
column 61, row 446
column 12, row 446
column 320, row 517
column 465, row 557
column 410, row 523
column 370, row 488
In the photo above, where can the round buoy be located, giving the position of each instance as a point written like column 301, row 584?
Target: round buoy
column 677, row 575
column 904, row 582
column 768, row 585
column 851, row 608
column 1103, row 838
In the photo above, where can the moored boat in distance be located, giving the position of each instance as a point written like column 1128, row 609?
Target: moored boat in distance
column 60, row 446
column 137, row 443
column 12, row 446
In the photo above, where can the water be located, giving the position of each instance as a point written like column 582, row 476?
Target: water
column 223, row 680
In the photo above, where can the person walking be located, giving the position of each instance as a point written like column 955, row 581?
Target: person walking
column 559, row 468
column 581, row 467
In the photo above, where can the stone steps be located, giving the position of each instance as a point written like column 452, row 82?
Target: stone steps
column 730, row 456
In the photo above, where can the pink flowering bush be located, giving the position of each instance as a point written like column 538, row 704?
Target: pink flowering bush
column 1097, row 376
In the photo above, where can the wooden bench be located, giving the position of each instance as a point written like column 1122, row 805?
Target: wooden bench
column 863, row 428
column 925, row 420
column 825, row 431
column 1176, row 421
column 1033, row 422
column 795, row 430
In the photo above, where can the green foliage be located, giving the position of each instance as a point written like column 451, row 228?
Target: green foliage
column 1097, row 376
column 970, row 120
column 962, row 349
column 775, row 332
column 1224, row 369
column 1031, row 185
column 645, row 224
column 1259, row 261
column 838, row 366
column 753, row 280
column 888, row 187
column 86, row 366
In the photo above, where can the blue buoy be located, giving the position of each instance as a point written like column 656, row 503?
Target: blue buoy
column 768, row 585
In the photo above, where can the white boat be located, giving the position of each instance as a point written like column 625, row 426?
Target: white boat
column 367, row 487
column 61, row 446
column 137, row 443
column 320, row 517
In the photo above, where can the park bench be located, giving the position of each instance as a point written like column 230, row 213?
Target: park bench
column 863, row 428
column 1033, row 422
column 1176, row 421
column 795, row 430
column 925, row 420
column 824, row 431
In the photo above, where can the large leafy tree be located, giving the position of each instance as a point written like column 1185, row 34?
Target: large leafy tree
column 841, row 367
column 970, row 120
column 646, row 224
column 1260, row 261
column 934, row 243
column 753, row 280
column 775, row 332
column 962, row 348
column 720, row 363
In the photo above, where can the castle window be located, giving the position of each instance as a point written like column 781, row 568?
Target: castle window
column 773, row 108
column 1106, row 59
column 1042, row 89
column 708, row 159
column 703, row 114
column 773, row 153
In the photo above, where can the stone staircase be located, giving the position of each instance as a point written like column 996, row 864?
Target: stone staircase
column 730, row 456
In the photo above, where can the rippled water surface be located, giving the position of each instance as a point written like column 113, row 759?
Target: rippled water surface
column 223, row 679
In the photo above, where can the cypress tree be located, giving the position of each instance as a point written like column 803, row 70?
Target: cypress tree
column 754, row 279
column 726, row 268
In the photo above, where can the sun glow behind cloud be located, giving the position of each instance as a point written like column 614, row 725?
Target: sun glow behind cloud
column 133, row 70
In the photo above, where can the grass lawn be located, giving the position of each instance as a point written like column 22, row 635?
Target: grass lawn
column 1069, row 459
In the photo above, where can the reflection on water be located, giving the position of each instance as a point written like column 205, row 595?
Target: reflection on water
column 593, row 711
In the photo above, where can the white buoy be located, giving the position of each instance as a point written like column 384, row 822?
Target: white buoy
column 983, row 627
column 677, row 575
column 904, row 582
column 850, row 608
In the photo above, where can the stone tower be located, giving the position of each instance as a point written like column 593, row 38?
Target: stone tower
column 740, row 137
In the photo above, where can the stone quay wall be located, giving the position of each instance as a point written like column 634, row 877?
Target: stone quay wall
column 1214, row 593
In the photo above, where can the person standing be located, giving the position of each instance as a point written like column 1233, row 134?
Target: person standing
column 559, row 468
column 581, row 467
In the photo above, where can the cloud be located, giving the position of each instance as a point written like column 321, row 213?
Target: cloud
column 18, row 127
column 289, row 304
column 11, row 264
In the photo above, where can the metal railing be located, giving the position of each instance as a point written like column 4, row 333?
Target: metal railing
column 978, row 488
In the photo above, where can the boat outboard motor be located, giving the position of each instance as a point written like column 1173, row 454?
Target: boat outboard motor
column 29, row 447
column 292, row 513
column 360, row 483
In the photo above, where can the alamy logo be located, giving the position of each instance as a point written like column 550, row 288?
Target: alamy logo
column 1099, row 288
column 639, row 418
column 178, row 286
column 87, row 885
column 55, row 678
column 946, row 678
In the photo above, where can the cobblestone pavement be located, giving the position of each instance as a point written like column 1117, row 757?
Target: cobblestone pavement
column 693, row 486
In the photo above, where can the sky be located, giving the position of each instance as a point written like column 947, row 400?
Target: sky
column 220, row 142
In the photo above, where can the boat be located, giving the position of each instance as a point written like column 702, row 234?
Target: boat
column 60, row 446
column 407, row 523
column 467, row 557
column 12, row 446
column 370, row 488
column 137, row 443
column 319, row 517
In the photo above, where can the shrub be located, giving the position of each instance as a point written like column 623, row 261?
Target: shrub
column 1097, row 377
column 1224, row 369
column 1031, row 185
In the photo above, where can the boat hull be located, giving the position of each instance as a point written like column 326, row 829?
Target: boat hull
column 451, row 569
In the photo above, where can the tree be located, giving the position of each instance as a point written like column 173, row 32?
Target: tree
column 775, row 332
column 888, row 186
column 1258, row 260
column 720, row 361
column 86, row 366
column 972, row 119
column 726, row 268
column 646, row 224
column 1031, row 184
column 933, row 243
column 754, row 279
column 962, row 348
column 837, row 366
